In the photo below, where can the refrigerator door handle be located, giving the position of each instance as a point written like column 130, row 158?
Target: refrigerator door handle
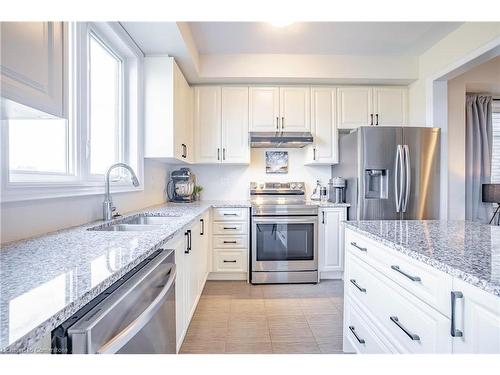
column 398, row 178
column 408, row 176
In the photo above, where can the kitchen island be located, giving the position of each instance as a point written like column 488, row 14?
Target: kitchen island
column 422, row 287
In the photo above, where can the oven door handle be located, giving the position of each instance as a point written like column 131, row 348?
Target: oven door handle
column 284, row 219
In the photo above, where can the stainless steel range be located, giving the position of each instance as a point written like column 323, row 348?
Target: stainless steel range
column 284, row 234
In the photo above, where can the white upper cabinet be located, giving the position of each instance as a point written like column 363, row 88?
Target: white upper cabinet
column 207, row 124
column 235, row 145
column 390, row 106
column 264, row 108
column 354, row 106
column 221, row 125
column 168, row 111
column 295, row 109
column 477, row 318
column 377, row 106
column 323, row 126
column 32, row 65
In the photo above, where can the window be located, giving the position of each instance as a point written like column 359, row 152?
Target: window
column 105, row 93
column 39, row 147
column 495, row 159
column 53, row 157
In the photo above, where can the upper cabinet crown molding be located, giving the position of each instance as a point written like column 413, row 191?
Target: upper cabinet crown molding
column 32, row 65
column 377, row 106
column 284, row 108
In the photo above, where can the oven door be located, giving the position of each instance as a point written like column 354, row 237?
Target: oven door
column 284, row 243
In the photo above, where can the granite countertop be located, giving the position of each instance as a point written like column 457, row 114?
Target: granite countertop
column 46, row 279
column 467, row 250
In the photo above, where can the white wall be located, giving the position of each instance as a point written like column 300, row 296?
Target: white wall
column 455, row 46
column 481, row 78
column 29, row 218
column 231, row 182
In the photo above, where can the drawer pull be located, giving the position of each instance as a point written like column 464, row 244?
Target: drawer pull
column 412, row 278
column 358, row 247
column 357, row 286
column 230, row 214
column 233, row 228
column 360, row 340
column 412, row 336
column 229, row 261
column 230, row 241
column 454, row 331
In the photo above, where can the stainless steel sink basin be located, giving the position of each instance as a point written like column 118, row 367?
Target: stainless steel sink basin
column 150, row 220
column 125, row 228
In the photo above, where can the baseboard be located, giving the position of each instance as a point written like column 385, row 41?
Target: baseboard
column 331, row 275
column 227, row 276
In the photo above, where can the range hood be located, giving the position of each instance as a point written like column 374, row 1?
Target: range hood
column 280, row 139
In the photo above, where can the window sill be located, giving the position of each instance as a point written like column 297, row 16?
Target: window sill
column 30, row 193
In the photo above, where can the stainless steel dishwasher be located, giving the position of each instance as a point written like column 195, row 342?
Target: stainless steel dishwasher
column 135, row 315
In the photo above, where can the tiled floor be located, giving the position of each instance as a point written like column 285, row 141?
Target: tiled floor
column 236, row 317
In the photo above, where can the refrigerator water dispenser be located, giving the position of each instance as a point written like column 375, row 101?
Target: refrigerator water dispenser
column 376, row 183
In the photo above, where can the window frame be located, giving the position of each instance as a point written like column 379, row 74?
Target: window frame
column 76, row 103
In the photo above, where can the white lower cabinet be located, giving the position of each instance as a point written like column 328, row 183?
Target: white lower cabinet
column 477, row 320
column 191, row 258
column 331, row 242
column 229, row 244
column 397, row 304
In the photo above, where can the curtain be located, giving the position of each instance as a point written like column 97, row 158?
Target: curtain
column 479, row 139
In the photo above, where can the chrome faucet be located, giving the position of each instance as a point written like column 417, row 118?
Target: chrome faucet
column 107, row 205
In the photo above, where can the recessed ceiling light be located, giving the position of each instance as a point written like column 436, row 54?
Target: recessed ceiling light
column 281, row 23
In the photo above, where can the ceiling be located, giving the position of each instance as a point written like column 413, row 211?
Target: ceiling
column 319, row 38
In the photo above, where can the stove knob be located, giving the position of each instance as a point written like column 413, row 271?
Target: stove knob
column 299, row 186
column 292, row 186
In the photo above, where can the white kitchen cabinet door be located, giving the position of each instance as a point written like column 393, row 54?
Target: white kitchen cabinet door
column 390, row 106
column 354, row 107
column 194, row 257
column 179, row 244
column 477, row 316
column 331, row 242
column 204, row 245
column 295, row 109
column 32, row 65
column 235, row 145
column 324, row 126
column 183, row 121
column 207, row 128
column 264, row 108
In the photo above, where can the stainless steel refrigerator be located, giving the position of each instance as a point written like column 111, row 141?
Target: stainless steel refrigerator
column 392, row 172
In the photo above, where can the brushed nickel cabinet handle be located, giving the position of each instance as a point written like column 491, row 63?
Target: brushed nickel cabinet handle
column 411, row 335
column 360, row 340
column 454, row 331
column 412, row 278
column 359, row 247
column 353, row 281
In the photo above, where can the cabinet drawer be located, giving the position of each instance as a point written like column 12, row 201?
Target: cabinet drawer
column 409, row 323
column 230, row 214
column 228, row 242
column 359, row 333
column 423, row 281
column 230, row 228
column 230, row 261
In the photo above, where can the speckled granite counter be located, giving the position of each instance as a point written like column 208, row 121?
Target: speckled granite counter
column 45, row 279
column 464, row 249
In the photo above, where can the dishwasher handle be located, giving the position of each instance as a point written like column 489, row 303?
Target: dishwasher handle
column 122, row 338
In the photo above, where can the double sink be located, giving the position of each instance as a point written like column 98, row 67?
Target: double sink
column 137, row 223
